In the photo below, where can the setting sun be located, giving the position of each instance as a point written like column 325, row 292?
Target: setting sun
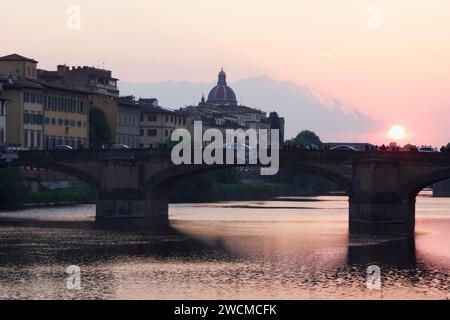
column 397, row 132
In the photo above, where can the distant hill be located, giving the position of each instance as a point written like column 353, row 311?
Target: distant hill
column 302, row 109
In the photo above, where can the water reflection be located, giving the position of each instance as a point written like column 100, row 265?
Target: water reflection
column 288, row 250
column 391, row 251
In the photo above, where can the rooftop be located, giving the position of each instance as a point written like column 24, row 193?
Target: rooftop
column 16, row 57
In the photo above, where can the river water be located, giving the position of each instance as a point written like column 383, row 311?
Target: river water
column 297, row 248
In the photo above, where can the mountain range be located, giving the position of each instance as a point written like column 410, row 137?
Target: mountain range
column 301, row 108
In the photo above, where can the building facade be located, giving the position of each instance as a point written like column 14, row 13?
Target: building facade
column 128, row 114
column 41, row 115
column 66, row 117
column 222, row 111
column 156, row 124
column 3, row 103
column 93, row 80
column 100, row 84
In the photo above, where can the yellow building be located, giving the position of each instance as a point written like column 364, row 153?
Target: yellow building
column 98, row 82
column 31, row 101
column 66, row 113
column 18, row 66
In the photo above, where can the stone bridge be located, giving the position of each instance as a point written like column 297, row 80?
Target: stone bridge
column 134, row 184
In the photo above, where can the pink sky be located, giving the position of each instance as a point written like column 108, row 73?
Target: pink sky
column 399, row 73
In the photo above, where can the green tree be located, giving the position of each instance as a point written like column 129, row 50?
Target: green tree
column 99, row 128
column 307, row 138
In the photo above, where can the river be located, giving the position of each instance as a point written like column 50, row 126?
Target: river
column 295, row 248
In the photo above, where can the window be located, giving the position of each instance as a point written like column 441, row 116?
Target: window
column 2, row 135
column 167, row 133
column 151, row 132
column 38, row 139
column 32, row 138
column 171, row 118
column 167, row 118
column 152, row 117
column 79, row 124
column 142, row 117
column 141, row 132
column 25, row 138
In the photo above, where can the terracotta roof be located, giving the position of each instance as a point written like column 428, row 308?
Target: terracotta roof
column 16, row 57
column 62, row 88
column 20, row 83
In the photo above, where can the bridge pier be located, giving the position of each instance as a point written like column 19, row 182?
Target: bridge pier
column 150, row 211
column 381, row 214
column 377, row 202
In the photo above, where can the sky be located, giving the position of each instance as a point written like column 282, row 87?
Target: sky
column 388, row 58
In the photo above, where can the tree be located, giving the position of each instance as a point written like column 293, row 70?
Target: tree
column 99, row 128
column 307, row 138
column 409, row 147
column 274, row 121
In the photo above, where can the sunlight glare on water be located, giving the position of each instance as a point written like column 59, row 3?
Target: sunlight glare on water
column 285, row 249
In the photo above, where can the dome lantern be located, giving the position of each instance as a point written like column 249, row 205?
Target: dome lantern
column 222, row 94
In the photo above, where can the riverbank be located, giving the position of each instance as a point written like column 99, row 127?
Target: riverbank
column 218, row 192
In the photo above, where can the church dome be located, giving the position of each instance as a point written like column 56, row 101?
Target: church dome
column 222, row 94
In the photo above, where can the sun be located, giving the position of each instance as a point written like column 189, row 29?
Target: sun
column 397, row 132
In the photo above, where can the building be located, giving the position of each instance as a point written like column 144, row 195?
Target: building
column 3, row 103
column 156, row 124
column 66, row 117
column 221, row 110
column 24, row 124
column 18, row 66
column 128, row 114
column 93, row 80
column 41, row 115
column 102, row 87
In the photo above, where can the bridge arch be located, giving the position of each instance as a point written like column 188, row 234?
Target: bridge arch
column 167, row 177
column 412, row 188
column 57, row 167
